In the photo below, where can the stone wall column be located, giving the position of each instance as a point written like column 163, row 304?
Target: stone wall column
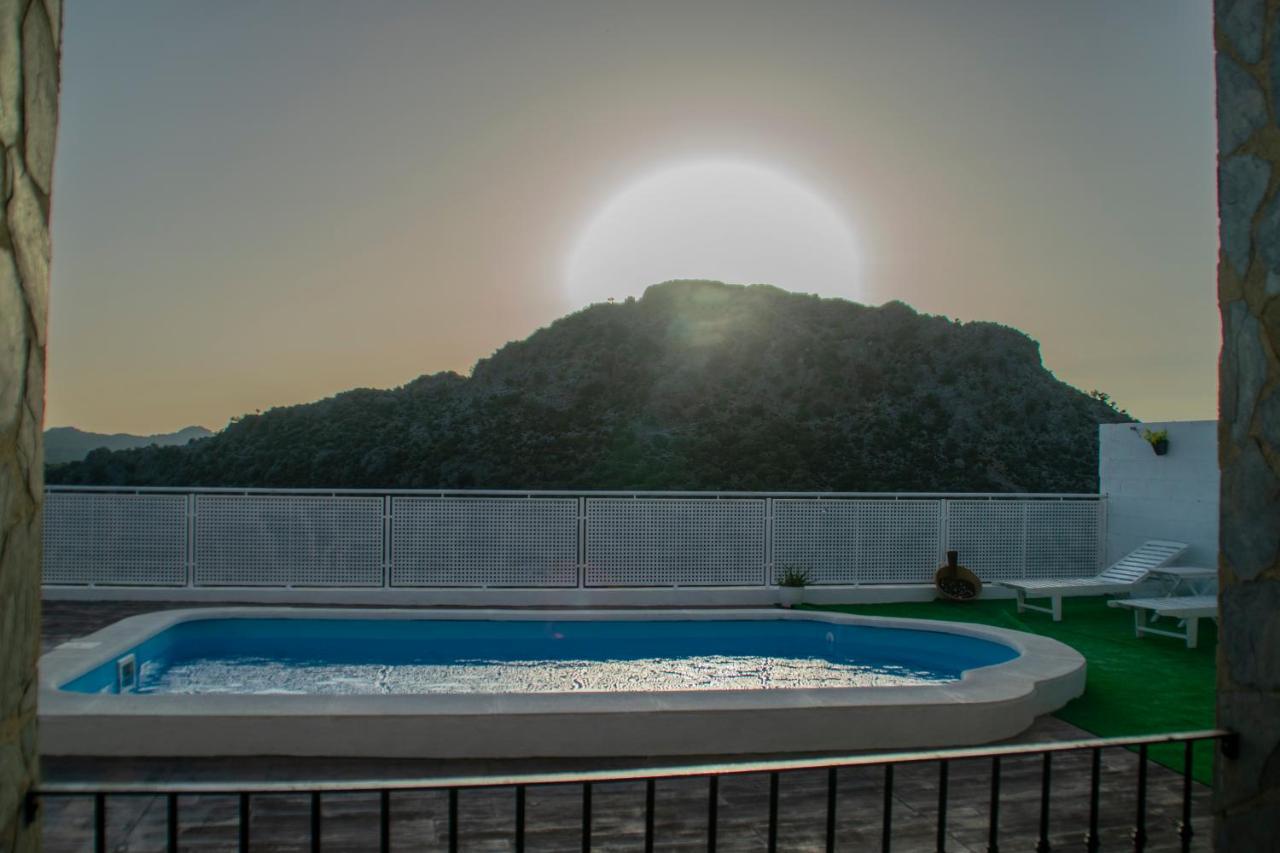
column 1247, row 795
column 30, row 37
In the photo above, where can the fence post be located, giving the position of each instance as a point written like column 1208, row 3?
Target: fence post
column 944, row 530
column 1026, row 508
column 386, row 541
column 191, row 539
column 769, row 556
column 1101, row 548
column 582, row 542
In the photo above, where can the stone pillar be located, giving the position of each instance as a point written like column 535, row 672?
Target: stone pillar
column 1247, row 796
column 30, row 32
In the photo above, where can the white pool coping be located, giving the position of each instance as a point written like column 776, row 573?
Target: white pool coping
column 986, row 704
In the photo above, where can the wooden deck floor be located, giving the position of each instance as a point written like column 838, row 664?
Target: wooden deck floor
column 419, row 821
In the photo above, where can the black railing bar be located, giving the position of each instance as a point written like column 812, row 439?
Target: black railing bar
column 171, row 823
column 650, row 803
column 713, row 811
column 1046, row 784
column 1184, row 825
column 773, row 812
column 832, row 792
column 99, row 823
column 942, row 805
column 1140, row 819
column 453, row 820
column 243, row 822
column 586, row 817
column 886, row 816
column 520, row 818
column 317, row 826
column 993, row 816
column 384, row 821
column 640, row 774
column 1092, row 841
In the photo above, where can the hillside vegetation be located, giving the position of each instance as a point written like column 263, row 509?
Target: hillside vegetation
column 697, row 385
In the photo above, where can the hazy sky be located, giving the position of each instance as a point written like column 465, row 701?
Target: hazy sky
column 260, row 204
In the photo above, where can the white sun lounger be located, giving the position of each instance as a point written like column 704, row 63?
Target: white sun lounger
column 1188, row 608
column 1122, row 576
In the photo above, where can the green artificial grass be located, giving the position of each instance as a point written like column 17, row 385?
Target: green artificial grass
column 1134, row 686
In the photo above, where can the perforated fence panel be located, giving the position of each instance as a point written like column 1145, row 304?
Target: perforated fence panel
column 675, row 542
column 540, row 541
column 899, row 540
column 990, row 536
column 818, row 537
column 276, row 540
column 1063, row 538
column 856, row 541
column 103, row 538
column 458, row 541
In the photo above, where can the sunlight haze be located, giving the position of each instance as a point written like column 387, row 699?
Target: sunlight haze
column 265, row 204
column 724, row 221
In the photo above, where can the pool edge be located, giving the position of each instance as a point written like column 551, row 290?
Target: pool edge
column 989, row 703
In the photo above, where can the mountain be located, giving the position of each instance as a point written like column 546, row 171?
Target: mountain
column 696, row 385
column 68, row 444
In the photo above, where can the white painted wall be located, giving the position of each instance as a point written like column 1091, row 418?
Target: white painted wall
column 1174, row 496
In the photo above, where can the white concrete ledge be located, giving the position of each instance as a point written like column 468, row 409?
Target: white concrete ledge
column 988, row 703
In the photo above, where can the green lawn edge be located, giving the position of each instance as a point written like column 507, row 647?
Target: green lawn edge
column 1134, row 686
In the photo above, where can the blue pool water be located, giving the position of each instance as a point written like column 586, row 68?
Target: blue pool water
column 397, row 656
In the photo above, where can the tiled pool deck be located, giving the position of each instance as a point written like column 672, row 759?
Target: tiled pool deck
column 419, row 820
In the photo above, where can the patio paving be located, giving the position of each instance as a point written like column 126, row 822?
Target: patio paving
column 419, row 820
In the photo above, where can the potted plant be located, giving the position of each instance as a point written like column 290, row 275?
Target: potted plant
column 1159, row 440
column 791, row 584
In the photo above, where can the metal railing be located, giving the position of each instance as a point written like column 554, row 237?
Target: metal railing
column 221, row 537
column 519, row 785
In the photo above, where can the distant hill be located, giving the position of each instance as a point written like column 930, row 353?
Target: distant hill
column 697, row 385
column 68, row 444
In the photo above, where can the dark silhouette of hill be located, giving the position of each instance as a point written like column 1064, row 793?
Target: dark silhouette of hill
column 697, row 385
column 68, row 444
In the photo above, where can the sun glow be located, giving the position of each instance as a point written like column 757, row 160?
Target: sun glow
column 727, row 221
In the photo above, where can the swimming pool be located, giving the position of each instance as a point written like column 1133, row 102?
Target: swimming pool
column 413, row 656
column 302, row 681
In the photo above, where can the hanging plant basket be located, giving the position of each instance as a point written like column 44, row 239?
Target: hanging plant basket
column 1159, row 440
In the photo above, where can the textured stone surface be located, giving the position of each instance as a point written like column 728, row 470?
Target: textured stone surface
column 1269, row 412
column 1242, row 182
column 1243, row 110
column 13, row 351
column 39, row 94
column 1242, row 22
column 1268, row 249
column 1247, row 796
column 1250, row 655
column 1248, row 366
column 1256, row 772
column 10, row 72
column 1250, row 508
column 29, row 38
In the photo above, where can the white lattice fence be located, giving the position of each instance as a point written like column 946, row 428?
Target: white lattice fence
column 1000, row 539
column 675, row 542
column 555, row 540
column 1063, row 538
column 288, row 540
column 459, row 541
column 849, row 541
column 990, row 536
column 102, row 538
